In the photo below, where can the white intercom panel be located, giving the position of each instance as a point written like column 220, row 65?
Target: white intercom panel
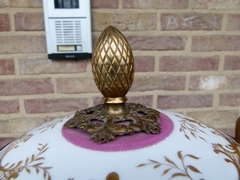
column 68, row 29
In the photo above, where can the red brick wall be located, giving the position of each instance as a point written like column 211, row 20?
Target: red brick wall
column 187, row 60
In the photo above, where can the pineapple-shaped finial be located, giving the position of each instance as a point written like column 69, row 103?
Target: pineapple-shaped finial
column 113, row 65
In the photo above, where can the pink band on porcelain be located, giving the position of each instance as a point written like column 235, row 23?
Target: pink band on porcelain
column 121, row 143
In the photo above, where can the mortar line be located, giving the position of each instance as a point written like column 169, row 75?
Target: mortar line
column 187, row 85
column 190, row 4
column 120, row 7
column 221, row 63
column 224, row 22
column 16, row 67
column 22, row 109
column 155, row 100
column 12, row 24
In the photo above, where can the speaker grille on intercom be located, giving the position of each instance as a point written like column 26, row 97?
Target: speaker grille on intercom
column 68, row 32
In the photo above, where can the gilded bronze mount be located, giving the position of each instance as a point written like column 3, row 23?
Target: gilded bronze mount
column 106, row 128
column 113, row 73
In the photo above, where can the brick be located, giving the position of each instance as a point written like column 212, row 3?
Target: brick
column 5, row 140
column 214, row 82
column 211, row 82
column 9, row 106
column 215, row 43
column 233, row 81
column 232, row 63
column 19, row 125
column 159, row 43
column 233, row 23
column 216, row 4
column 155, row 4
column 22, row 44
column 146, row 100
column 144, row 63
column 185, row 101
column 191, row 21
column 156, row 82
column 216, row 118
column 29, row 21
column 4, row 22
column 124, row 21
column 6, row 66
column 97, row 100
column 186, row 63
column 33, row 106
column 25, row 86
column 25, row 3
column 101, row 4
column 4, row 3
column 229, row 99
column 76, row 85
column 45, row 66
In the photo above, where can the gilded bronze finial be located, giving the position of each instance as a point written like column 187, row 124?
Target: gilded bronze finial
column 113, row 69
column 113, row 73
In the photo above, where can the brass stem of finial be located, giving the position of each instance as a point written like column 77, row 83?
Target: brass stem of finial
column 115, row 110
column 114, row 106
column 117, row 100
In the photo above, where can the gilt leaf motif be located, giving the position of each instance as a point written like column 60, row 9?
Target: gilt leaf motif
column 172, row 166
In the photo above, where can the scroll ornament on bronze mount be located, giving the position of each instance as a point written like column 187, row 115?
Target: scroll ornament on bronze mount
column 113, row 72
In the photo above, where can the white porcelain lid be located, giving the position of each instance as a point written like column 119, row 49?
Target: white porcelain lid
column 185, row 149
